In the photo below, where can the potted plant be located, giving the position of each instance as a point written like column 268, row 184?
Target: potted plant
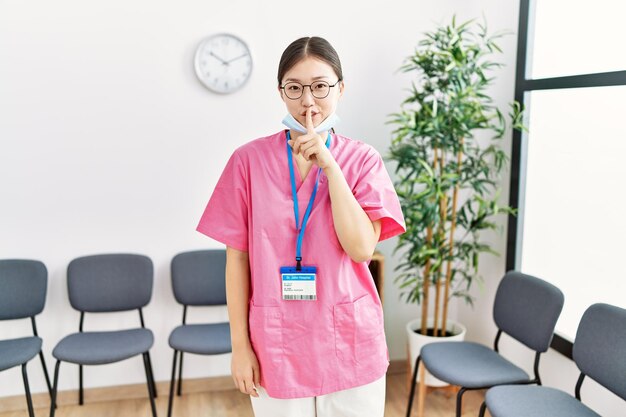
column 446, row 145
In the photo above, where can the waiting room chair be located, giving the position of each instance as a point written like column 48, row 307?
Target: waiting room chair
column 100, row 284
column 599, row 352
column 23, row 285
column 526, row 308
column 198, row 279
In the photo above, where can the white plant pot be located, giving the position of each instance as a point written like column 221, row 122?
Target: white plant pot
column 417, row 340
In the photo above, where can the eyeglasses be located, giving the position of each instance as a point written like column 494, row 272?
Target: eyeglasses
column 319, row 89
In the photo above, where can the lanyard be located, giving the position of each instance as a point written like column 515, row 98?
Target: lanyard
column 299, row 228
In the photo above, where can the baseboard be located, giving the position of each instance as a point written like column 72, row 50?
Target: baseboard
column 116, row 393
column 134, row 391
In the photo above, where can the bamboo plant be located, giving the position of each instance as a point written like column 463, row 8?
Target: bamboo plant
column 446, row 145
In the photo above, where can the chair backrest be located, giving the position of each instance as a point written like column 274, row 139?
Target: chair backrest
column 527, row 309
column 198, row 277
column 110, row 282
column 23, row 286
column 600, row 346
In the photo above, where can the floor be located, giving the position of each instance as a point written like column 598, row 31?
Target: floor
column 231, row 403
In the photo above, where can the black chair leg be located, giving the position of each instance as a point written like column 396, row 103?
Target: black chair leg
column 29, row 400
column 80, row 385
column 459, row 401
column 146, row 365
column 150, row 387
column 172, row 382
column 151, row 384
column 483, row 408
column 180, row 375
column 154, row 387
column 45, row 373
column 55, row 387
column 413, row 382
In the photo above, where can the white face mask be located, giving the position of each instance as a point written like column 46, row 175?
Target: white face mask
column 293, row 124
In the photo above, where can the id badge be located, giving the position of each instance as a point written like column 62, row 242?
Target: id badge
column 299, row 285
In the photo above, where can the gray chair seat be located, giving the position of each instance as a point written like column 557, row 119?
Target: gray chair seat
column 533, row 401
column 15, row 352
column 97, row 348
column 203, row 339
column 470, row 365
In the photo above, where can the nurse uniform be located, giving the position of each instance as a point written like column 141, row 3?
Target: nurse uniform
column 306, row 348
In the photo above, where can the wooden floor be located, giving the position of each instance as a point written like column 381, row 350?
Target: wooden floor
column 234, row 404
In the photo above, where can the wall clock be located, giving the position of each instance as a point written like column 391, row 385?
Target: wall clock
column 223, row 63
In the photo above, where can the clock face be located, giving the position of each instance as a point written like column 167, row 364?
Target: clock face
column 223, row 63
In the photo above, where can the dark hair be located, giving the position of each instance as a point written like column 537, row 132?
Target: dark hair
column 302, row 48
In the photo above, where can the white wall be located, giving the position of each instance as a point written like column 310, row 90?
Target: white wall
column 108, row 143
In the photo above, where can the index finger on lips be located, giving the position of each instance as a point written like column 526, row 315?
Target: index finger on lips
column 309, row 121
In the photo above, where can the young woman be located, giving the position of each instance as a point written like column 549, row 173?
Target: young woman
column 301, row 212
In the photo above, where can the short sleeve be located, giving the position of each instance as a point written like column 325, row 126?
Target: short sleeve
column 225, row 217
column 375, row 193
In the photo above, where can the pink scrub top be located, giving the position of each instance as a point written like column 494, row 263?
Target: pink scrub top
column 306, row 348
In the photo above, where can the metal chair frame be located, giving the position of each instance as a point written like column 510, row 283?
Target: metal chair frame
column 179, row 385
column 152, row 391
column 459, row 395
column 579, row 383
column 177, row 361
column 506, row 311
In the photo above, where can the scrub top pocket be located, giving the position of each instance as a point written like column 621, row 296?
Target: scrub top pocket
column 359, row 331
column 266, row 335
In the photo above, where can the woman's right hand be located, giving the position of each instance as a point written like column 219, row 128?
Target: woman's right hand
column 245, row 370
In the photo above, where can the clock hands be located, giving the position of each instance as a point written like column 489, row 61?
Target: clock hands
column 223, row 61
column 234, row 59
column 218, row 58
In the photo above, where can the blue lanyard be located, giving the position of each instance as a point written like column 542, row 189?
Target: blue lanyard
column 295, row 201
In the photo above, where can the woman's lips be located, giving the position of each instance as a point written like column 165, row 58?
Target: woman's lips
column 303, row 121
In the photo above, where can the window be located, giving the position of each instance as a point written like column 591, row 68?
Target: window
column 572, row 37
column 568, row 172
